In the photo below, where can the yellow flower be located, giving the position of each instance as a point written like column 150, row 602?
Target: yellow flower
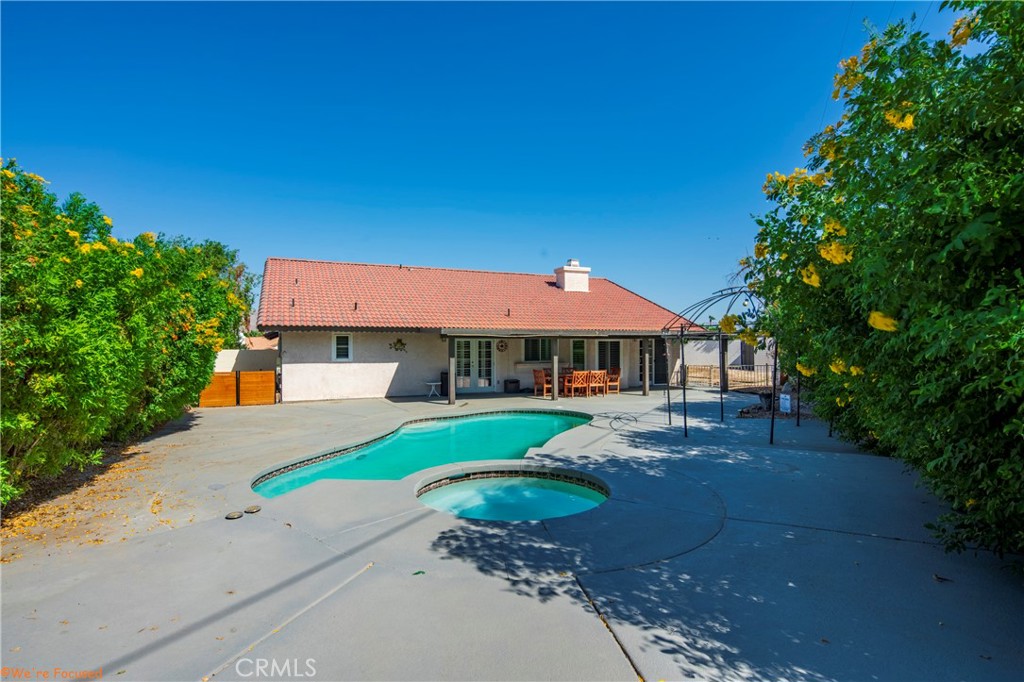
column 837, row 366
column 900, row 121
column 36, row 178
column 836, row 253
column 961, row 31
column 748, row 337
column 113, row 240
column 7, row 174
column 810, row 275
column 848, row 79
column 783, row 256
column 65, row 259
column 805, row 370
column 137, row 272
column 828, row 150
column 760, row 250
column 856, row 371
column 85, row 248
column 73, row 234
column 820, row 179
column 866, row 51
column 108, row 221
column 149, row 238
column 128, row 245
column 882, row 322
column 804, row 219
column 971, row 502
column 842, row 401
column 728, row 324
column 78, row 283
column 832, row 226
column 99, row 246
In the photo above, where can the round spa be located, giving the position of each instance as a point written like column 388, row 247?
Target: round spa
column 526, row 494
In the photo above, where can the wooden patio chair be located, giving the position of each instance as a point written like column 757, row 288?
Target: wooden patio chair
column 580, row 382
column 541, row 382
column 599, row 381
column 613, row 381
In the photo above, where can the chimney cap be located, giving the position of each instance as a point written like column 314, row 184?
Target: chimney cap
column 573, row 262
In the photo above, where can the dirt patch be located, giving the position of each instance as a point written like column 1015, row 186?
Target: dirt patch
column 109, row 501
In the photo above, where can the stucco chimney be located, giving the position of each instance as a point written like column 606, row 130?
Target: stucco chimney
column 571, row 277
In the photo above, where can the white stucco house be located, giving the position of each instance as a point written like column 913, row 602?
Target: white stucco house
column 353, row 330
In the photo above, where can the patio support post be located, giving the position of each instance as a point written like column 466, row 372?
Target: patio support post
column 554, row 369
column 451, row 370
column 645, row 348
column 683, row 377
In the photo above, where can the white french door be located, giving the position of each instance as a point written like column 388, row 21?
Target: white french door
column 474, row 364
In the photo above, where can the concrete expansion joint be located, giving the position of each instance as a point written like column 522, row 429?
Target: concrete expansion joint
column 608, row 627
column 837, row 531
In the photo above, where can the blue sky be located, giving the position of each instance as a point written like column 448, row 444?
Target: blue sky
column 633, row 137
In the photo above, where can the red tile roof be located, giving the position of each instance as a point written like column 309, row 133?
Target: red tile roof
column 260, row 343
column 309, row 294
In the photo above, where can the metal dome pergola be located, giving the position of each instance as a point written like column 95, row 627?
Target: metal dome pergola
column 749, row 305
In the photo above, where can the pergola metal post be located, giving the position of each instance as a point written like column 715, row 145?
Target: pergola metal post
column 798, row 398
column 451, row 370
column 668, row 387
column 682, row 374
column 723, row 376
column 775, row 369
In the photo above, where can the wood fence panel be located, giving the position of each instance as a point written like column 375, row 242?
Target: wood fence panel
column 257, row 388
column 221, row 392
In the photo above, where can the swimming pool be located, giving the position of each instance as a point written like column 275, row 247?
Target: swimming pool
column 426, row 443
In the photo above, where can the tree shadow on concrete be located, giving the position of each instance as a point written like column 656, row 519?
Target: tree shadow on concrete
column 647, row 606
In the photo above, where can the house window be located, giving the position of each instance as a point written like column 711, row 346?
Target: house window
column 536, row 350
column 608, row 355
column 579, row 354
column 342, row 347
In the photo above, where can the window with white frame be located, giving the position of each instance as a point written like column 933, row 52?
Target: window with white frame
column 342, row 347
column 536, row 350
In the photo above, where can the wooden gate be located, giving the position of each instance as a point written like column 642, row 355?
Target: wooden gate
column 228, row 389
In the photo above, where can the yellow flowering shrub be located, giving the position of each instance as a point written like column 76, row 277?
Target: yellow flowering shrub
column 920, row 180
column 114, row 351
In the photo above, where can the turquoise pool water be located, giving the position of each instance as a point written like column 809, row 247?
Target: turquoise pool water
column 519, row 498
column 422, row 445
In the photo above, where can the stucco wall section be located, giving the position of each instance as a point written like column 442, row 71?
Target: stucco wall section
column 308, row 371
column 245, row 361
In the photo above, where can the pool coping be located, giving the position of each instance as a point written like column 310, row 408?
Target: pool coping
column 489, row 469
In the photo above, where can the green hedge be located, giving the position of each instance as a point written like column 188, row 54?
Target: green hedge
column 101, row 338
column 893, row 264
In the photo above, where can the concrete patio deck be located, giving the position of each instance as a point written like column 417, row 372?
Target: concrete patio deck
column 718, row 557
